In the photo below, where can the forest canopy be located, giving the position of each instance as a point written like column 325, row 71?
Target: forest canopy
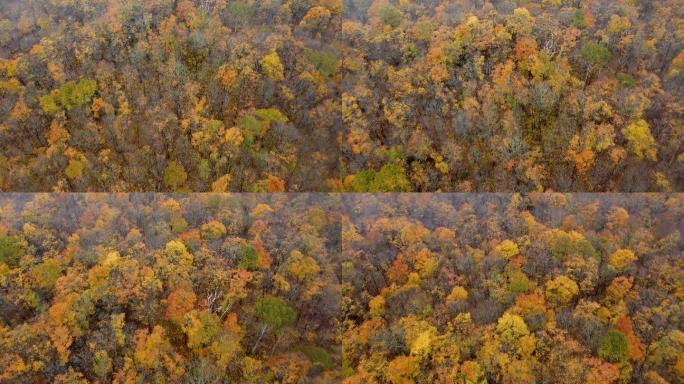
column 513, row 289
column 508, row 116
column 358, row 288
column 332, row 95
column 164, row 95
column 152, row 288
column 505, row 95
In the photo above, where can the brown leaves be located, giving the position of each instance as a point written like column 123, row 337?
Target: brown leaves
column 636, row 347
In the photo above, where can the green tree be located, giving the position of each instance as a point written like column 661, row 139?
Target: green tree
column 11, row 250
column 174, row 175
column 390, row 178
column 249, row 259
column 74, row 170
column 102, row 364
column 596, row 55
column 390, row 15
column 275, row 312
column 48, row 103
column 76, row 94
column 614, row 346
column 319, row 356
column 45, row 275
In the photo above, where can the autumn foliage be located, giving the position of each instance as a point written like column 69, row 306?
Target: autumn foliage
column 332, row 95
column 203, row 95
column 110, row 288
column 480, row 96
column 501, row 288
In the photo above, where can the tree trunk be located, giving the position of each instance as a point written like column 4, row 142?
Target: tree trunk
column 261, row 335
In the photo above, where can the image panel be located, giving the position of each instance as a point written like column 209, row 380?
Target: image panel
column 143, row 96
column 512, row 96
column 184, row 288
column 510, row 288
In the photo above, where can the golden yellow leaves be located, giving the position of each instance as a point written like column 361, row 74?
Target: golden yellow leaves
column 457, row 293
column 272, row 66
column 425, row 263
column 316, row 18
column 222, row 184
column 301, row 266
column 618, row 24
column 411, row 233
column 594, row 138
column 507, row 249
column 521, row 21
column 396, row 112
column 75, row 169
column 561, row 290
column 45, row 275
column 117, row 323
column 419, row 335
column 402, row 369
column 357, row 136
column 441, row 165
column 261, row 209
column 234, row 136
column 177, row 253
column 511, row 328
column 376, row 306
column 281, row 283
column 639, row 139
column 12, row 366
column 154, row 351
column 213, row 230
column 621, row 259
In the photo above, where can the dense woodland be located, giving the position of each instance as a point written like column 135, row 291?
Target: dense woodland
column 152, row 288
column 168, row 95
column 359, row 288
column 342, row 96
column 505, row 95
column 487, row 288
column 332, row 95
